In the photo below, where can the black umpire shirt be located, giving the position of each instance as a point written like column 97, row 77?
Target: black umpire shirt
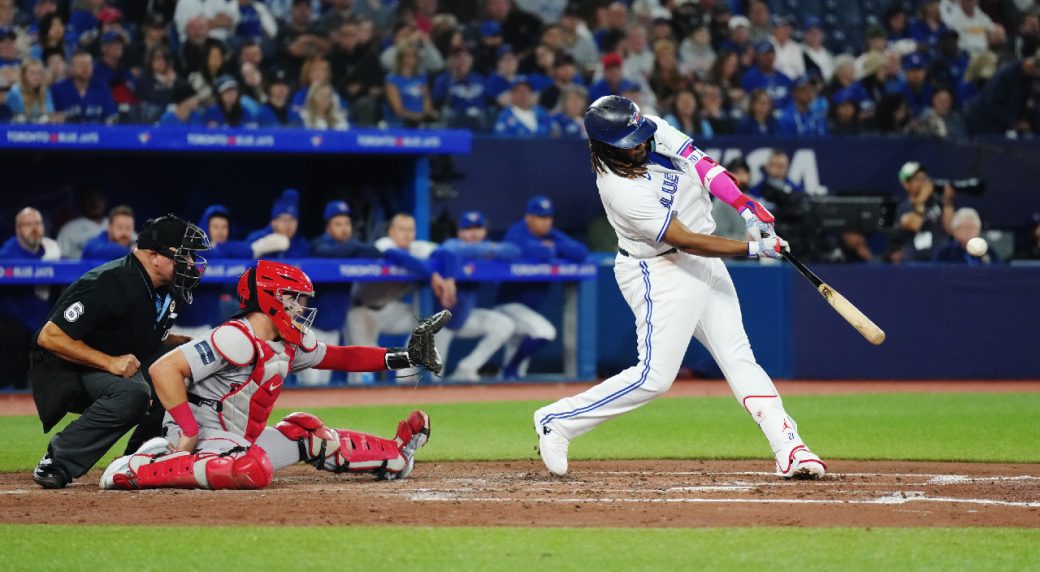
column 112, row 308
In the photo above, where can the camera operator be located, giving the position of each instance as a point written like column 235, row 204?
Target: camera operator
column 795, row 219
column 923, row 218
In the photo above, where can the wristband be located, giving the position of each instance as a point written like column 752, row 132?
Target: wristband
column 183, row 416
column 752, row 249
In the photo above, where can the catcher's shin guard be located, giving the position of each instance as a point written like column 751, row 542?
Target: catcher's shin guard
column 238, row 468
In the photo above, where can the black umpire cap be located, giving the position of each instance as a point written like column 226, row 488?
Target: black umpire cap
column 169, row 232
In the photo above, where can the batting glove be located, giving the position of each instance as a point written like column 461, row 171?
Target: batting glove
column 771, row 247
column 757, row 218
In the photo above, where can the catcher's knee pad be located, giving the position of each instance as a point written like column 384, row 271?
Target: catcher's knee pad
column 239, row 468
column 316, row 441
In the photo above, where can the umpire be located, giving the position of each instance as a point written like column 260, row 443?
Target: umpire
column 103, row 327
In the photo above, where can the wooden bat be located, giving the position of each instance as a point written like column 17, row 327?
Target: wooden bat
column 841, row 305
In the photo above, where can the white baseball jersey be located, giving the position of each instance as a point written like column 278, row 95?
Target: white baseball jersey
column 641, row 209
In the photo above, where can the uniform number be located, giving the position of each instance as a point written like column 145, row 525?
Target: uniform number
column 73, row 312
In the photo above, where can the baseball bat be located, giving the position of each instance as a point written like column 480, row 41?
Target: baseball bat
column 841, row 305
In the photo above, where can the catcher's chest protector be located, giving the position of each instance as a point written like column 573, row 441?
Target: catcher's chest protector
column 247, row 408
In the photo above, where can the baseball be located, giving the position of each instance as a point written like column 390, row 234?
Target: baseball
column 977, row 246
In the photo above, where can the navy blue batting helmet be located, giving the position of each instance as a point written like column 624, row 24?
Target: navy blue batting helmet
column 616, row 121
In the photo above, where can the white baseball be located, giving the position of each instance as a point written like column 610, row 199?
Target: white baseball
column 977, row 246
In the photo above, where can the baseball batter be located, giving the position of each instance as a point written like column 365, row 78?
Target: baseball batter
column 655, row 188
column 216, row 432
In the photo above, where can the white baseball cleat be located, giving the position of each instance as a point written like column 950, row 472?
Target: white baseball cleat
column 121, row 466
column 801, row 464
column 552, row 447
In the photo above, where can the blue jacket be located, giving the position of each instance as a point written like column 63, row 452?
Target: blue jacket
column 533, row 294
column 459, row 95
column 101, row 248
column 21, row 302
column 507, row 124
column 209, row 299
column 468, row 292
column 170, row 119
column 298, row 247
column 794, row 123
column 776, row 84
column 95, row 106
column 333, row 300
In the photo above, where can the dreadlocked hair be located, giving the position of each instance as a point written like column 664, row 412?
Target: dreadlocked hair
column 606, row 158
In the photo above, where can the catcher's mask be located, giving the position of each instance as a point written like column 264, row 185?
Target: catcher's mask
column 282, row 292
column 180, row 241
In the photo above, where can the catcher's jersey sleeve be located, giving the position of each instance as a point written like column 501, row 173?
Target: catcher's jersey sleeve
column 307, row 360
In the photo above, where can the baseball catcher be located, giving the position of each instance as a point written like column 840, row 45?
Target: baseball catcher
column 216, row 426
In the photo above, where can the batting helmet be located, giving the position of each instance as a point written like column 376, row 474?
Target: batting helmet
column 281, row 292
column 616, row 121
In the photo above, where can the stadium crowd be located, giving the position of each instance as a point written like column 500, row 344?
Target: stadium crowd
column 523, row 68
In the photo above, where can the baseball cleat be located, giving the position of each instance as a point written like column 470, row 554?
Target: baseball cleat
column 418, row 424
column 51, row 475
column 552, row 447
column 802, row 464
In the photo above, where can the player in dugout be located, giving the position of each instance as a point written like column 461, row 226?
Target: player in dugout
column 216, row 426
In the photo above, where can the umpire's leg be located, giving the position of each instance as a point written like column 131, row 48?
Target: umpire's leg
column 116, row 405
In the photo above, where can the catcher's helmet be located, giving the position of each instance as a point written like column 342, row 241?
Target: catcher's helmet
column 616, row 121
column 281, row 292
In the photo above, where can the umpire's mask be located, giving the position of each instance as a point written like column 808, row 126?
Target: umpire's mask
column 178, row 239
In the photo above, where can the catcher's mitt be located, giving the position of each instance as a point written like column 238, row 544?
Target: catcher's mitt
column 420, row 350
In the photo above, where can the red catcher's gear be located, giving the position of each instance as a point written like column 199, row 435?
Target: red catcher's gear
column 280, row 291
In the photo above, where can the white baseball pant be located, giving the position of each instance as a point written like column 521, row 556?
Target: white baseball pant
column 528, row 324
column 676, row 297
column 494, row 328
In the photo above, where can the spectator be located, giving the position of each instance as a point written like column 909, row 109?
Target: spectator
column 251, row 52
column 255, row 22
column 51, row 35
column 893, row 115
column 23, row 309
column 739, row 41
column 1030, row 249
column 428, row 59
column 760, row 119
column 496, row 89
column 117, row 240
column 184, row 108
column 56, row 66
column 110, row 70
column 569, row 120
column 789, row 203
column 407, row 97
column 155, row 87
column 299, row 39
column 30, row 100
column 613, row 82
column 523, row 302
column 221, row 17
column 492, row 328
column 764, row 76
column 80, row 99
column 660, row 29
column 356, row 72
column 523, row 118
column 78, row 231
column 85, row 22
column 519, row 29
column 1028, row 36
column 666, row 80
column 252, row 82
column 8, row 13
column 758, row 15
column 726, row 74
column 230, row 109
column 285, row 221
column 843, row 114
column 964, row 226
column 696, row 53
column 322, row 110
column 154, row 36
column 577, row 41
column 896, row 25
column 685, row 116
column 10, row 63
column 639, row 57
column 377, row 307
column 981, row 69
column 844, row 78
column 940, row 119
column 917, row 91
column 923, row 218
column 872, row 84
column 193, row 54
column 790, row 58
column 336, row 12
column 614, row 26
column 949, row 63
column 564, row 77
column 977, row 31
column 6, row 114
column 337, row 242
column 1001, row 107
column 278, row 109
column 316, row 70
column 539, row 69
column 459, row 93
column 204, row 80
column 817, row 56
column 927, row 27
column 799, row 119
column 712, row 110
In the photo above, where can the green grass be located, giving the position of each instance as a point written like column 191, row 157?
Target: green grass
column 433, row 549
column 965, row 427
